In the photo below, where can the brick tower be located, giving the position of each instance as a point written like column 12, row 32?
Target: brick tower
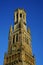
column 19, row 42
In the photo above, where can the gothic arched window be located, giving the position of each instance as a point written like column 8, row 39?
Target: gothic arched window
column 20, row 14
column 17, row 17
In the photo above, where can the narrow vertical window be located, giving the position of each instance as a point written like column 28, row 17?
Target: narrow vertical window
column 13, row 39
column 20, row 15
column 16, row 37
column 7, row 59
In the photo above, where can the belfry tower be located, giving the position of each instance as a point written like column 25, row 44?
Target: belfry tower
column 19, row 42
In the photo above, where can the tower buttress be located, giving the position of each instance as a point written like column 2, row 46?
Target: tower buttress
column 10, row 40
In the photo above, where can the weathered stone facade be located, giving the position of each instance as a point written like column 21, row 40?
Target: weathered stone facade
column 19, row 42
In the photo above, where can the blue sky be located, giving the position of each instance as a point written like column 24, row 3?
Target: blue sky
column 34, row 18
